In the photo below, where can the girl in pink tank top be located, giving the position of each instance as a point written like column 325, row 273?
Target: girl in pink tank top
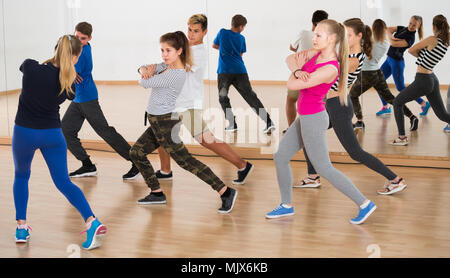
column 314, row 79
column 310, row 100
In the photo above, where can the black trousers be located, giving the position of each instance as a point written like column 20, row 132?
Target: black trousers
column 91, row 111
column 242, row 84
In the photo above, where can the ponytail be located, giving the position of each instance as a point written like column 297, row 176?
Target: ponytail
column 379, row 30
column 179, row 40
column 67, row 47
column 358, row 27
column 343, row 63
column 367, row 41
column 442, row 28
column 419, row 19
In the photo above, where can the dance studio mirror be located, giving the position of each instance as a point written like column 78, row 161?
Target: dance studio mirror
column 126, row 35
column 4, row 130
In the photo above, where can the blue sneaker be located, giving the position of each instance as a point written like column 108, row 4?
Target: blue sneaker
column 22, row 235
column 95, row 235
column 447, row 129
column 425, row 109
column 364, row 213
column 280, row 211
column 384, row 111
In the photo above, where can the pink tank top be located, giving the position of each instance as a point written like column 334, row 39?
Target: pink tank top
column 310, row 100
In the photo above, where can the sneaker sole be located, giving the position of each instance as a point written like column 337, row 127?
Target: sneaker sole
column 22, row 240
column 98, row 238
column 307, row 186
column 230, row 130
column 90, row 174
column 398, row 189
column 399, row 144
column 269, row 130
column 232, row 205
column 132, row 178
column 365, row 217
column 279, row 216
column 165, row 179
column 248, row 174
column 152, row 203
column 384, row 115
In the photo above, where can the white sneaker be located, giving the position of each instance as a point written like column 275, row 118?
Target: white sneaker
column 309, row 183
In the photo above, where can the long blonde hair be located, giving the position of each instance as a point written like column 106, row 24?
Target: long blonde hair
column 341, row 39
column 67, row 47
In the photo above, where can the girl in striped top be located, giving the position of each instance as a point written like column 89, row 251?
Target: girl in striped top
column 167, row 80
column 428, row 52
column 341, row 114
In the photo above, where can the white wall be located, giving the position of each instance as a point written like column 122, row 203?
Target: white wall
column 126, row 33
column 399, row 12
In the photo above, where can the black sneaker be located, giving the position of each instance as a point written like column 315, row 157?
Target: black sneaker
column 414, row 123
column 132, row 174
column 268, row 129
column 153, row 199
column 242, row 175
column 164, row 177
column 228, row 202
column 231, row 128
column 84, row 171
column 359, row 125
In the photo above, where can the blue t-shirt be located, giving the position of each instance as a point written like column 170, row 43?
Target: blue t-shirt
column 41, row 96
column 231, row 45
column 402, row 33
column 86, row 90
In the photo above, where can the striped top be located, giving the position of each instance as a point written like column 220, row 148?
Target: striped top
column 429, row 58
column 167, row 85
column 352, row 75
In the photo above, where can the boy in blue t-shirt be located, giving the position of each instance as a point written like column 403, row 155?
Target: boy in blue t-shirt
column 85, row 106
column 232, row 71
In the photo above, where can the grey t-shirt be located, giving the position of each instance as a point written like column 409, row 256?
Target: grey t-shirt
column 379, row 50
column 166, row 86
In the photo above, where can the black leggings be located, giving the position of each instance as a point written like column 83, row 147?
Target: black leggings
column 341, row 121
column 423, row 85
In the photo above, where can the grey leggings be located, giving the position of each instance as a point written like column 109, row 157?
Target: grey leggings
column 448, row 99
column 309, row 131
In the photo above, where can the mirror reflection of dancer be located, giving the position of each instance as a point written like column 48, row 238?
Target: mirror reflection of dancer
column 37, row 126
column 314, row 78
column 401, row 38
column 167, row 80
column 232, row 71
column 372, row 76
column 429, row 52
column 190, row 106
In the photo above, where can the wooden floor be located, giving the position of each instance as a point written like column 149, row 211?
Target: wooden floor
column 414, row 223
column 124, row 105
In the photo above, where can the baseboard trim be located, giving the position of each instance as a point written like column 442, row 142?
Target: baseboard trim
column 253, row 153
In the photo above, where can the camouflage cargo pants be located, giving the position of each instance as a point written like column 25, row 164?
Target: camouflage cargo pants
column 163, row 131
column 367, row 80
